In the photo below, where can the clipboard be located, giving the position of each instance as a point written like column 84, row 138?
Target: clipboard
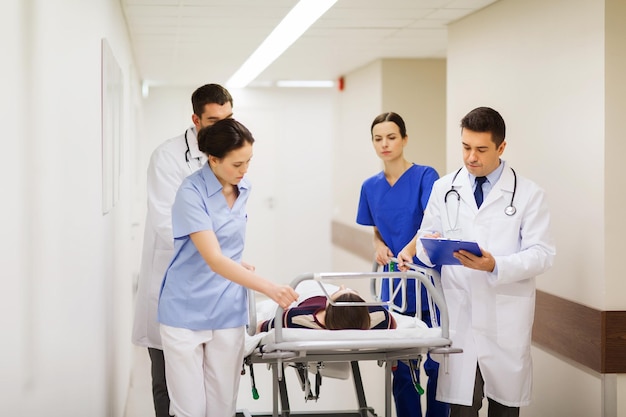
column 440, row 249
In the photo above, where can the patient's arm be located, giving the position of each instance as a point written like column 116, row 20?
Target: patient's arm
column 381, row 318
column 302, row 316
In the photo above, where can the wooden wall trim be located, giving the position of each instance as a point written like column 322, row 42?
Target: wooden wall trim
column 614, row 338
column 357, row 240
column 569, row 329
column 593, row 338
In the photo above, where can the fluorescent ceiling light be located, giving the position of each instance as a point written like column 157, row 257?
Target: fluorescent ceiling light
column 305, row 83
column 297, row 21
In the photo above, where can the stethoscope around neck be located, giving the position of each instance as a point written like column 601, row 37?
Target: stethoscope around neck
column 508, row 210
column 188, row 157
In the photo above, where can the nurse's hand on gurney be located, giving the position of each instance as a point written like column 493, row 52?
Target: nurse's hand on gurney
column 284, row 295
column 282, row 292
column 381, row 250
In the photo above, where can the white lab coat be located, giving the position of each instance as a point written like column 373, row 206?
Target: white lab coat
column 166, row 171
column 491, row 314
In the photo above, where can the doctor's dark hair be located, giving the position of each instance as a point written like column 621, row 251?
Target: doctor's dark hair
column 485, row 119
column 389, row 117
column 347, row 317
column 222, row 137
column 209, row 94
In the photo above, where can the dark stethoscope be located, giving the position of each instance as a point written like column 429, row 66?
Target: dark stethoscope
column 188, row 157
column 508, row 210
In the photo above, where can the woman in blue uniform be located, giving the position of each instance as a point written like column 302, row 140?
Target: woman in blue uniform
column 393, row 202
column 202, row 306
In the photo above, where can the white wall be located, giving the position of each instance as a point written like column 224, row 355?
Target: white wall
column 615, row 149
column 14, row 296
column 416, row 89
column 68, row 294
column 353, row 156
column 542, row 65
column 548, row 84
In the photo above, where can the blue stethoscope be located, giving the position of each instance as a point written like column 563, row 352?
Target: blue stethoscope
column 508, row 210
column 188, row 157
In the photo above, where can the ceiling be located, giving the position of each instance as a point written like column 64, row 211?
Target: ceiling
column 193, row 42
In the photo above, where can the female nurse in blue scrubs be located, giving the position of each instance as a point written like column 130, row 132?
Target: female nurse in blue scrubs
column 203, row 302
column 393, row 202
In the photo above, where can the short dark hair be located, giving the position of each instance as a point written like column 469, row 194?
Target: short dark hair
column 222, row 137
column 390, row 117
column 208, row 94
column 347, row 317
column 485, row 119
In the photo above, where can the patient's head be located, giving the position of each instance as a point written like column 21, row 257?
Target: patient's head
column 347, row 317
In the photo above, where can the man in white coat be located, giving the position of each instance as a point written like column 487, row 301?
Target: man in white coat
column 170, row 163
column 490, row 298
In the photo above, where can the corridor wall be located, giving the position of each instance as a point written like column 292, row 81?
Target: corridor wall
column 67, row 266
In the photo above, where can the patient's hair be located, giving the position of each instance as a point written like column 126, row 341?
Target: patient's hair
column 347, row 317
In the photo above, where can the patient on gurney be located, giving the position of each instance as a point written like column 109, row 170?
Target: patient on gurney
column 315, row 312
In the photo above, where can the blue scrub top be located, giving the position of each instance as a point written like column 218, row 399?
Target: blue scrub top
column 192, row 295
column 397, row 212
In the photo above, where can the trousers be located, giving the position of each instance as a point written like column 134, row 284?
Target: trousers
column 406, row 398
column 203, row 370
column 495, row 408
column 160, row 397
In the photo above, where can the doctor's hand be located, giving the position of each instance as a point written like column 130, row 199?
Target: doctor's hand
column 482, row 263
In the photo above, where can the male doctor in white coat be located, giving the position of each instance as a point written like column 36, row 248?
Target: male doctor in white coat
column 170, row 163
column 490, row 298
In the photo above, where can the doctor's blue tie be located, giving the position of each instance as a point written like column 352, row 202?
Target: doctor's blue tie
column 478, row 192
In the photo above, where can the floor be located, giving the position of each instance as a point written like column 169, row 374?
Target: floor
column 139, row 401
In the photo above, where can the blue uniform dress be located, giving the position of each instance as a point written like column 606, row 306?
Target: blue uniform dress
column 192, row 295
column 397, row 213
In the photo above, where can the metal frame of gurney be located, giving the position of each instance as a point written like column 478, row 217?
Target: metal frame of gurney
column 380, row 348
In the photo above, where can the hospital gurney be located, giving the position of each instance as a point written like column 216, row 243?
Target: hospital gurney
column 302, row 347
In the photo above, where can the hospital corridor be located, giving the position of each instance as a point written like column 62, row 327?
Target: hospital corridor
column 92, row 89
